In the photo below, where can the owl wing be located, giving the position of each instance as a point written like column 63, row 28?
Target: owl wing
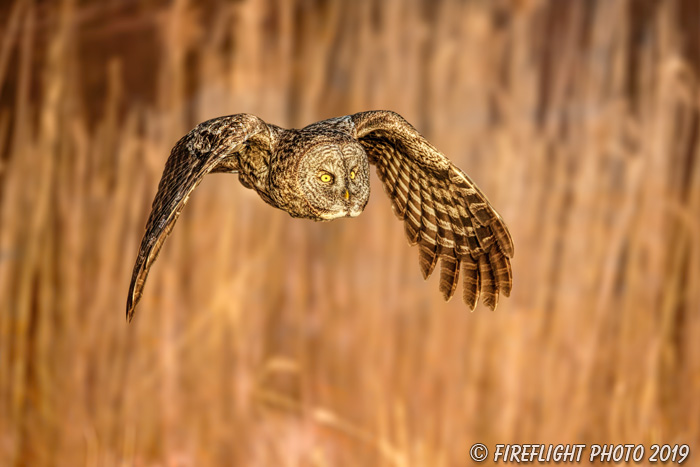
column 213, row 146
column 443, row 211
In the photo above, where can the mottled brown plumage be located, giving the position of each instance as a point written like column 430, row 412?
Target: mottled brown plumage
column 321, row 172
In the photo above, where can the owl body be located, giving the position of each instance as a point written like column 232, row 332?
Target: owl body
column 321, row 172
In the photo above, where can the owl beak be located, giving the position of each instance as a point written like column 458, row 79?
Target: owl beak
column 346, row 195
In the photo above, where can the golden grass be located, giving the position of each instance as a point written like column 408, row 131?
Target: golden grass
column 264, row 340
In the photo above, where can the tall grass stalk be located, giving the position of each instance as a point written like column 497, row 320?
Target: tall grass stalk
column 264, row 340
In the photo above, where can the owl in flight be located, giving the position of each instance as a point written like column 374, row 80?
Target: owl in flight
column 321, row 172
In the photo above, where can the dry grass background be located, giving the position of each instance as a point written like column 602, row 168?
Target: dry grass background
column 263, row 340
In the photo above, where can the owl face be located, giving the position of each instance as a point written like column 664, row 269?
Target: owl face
column 334, row 179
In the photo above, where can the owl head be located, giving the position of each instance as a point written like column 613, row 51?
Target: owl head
column 333, row 176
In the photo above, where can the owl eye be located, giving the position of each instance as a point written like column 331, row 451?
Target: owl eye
column 352, row 174
column 326, row 177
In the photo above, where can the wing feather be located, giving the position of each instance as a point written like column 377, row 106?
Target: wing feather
column 428, row 246
column 500, row 266
column 212, row 146
column 471, row 285
column 449, row 276
column 489, row 287
column 443, row 210
column 445, row 234
column 412, row 222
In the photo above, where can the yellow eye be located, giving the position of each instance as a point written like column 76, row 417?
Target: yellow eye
column 352, row 175
column 326, row 178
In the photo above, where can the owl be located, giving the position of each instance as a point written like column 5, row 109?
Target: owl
column 321, row 172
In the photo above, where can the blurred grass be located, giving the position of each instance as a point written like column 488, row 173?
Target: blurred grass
column 264, row 340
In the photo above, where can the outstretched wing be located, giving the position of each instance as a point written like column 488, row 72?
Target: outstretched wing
column 443, row 210
column 213, row 146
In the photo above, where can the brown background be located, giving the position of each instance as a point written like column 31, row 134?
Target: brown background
column 263, row 340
